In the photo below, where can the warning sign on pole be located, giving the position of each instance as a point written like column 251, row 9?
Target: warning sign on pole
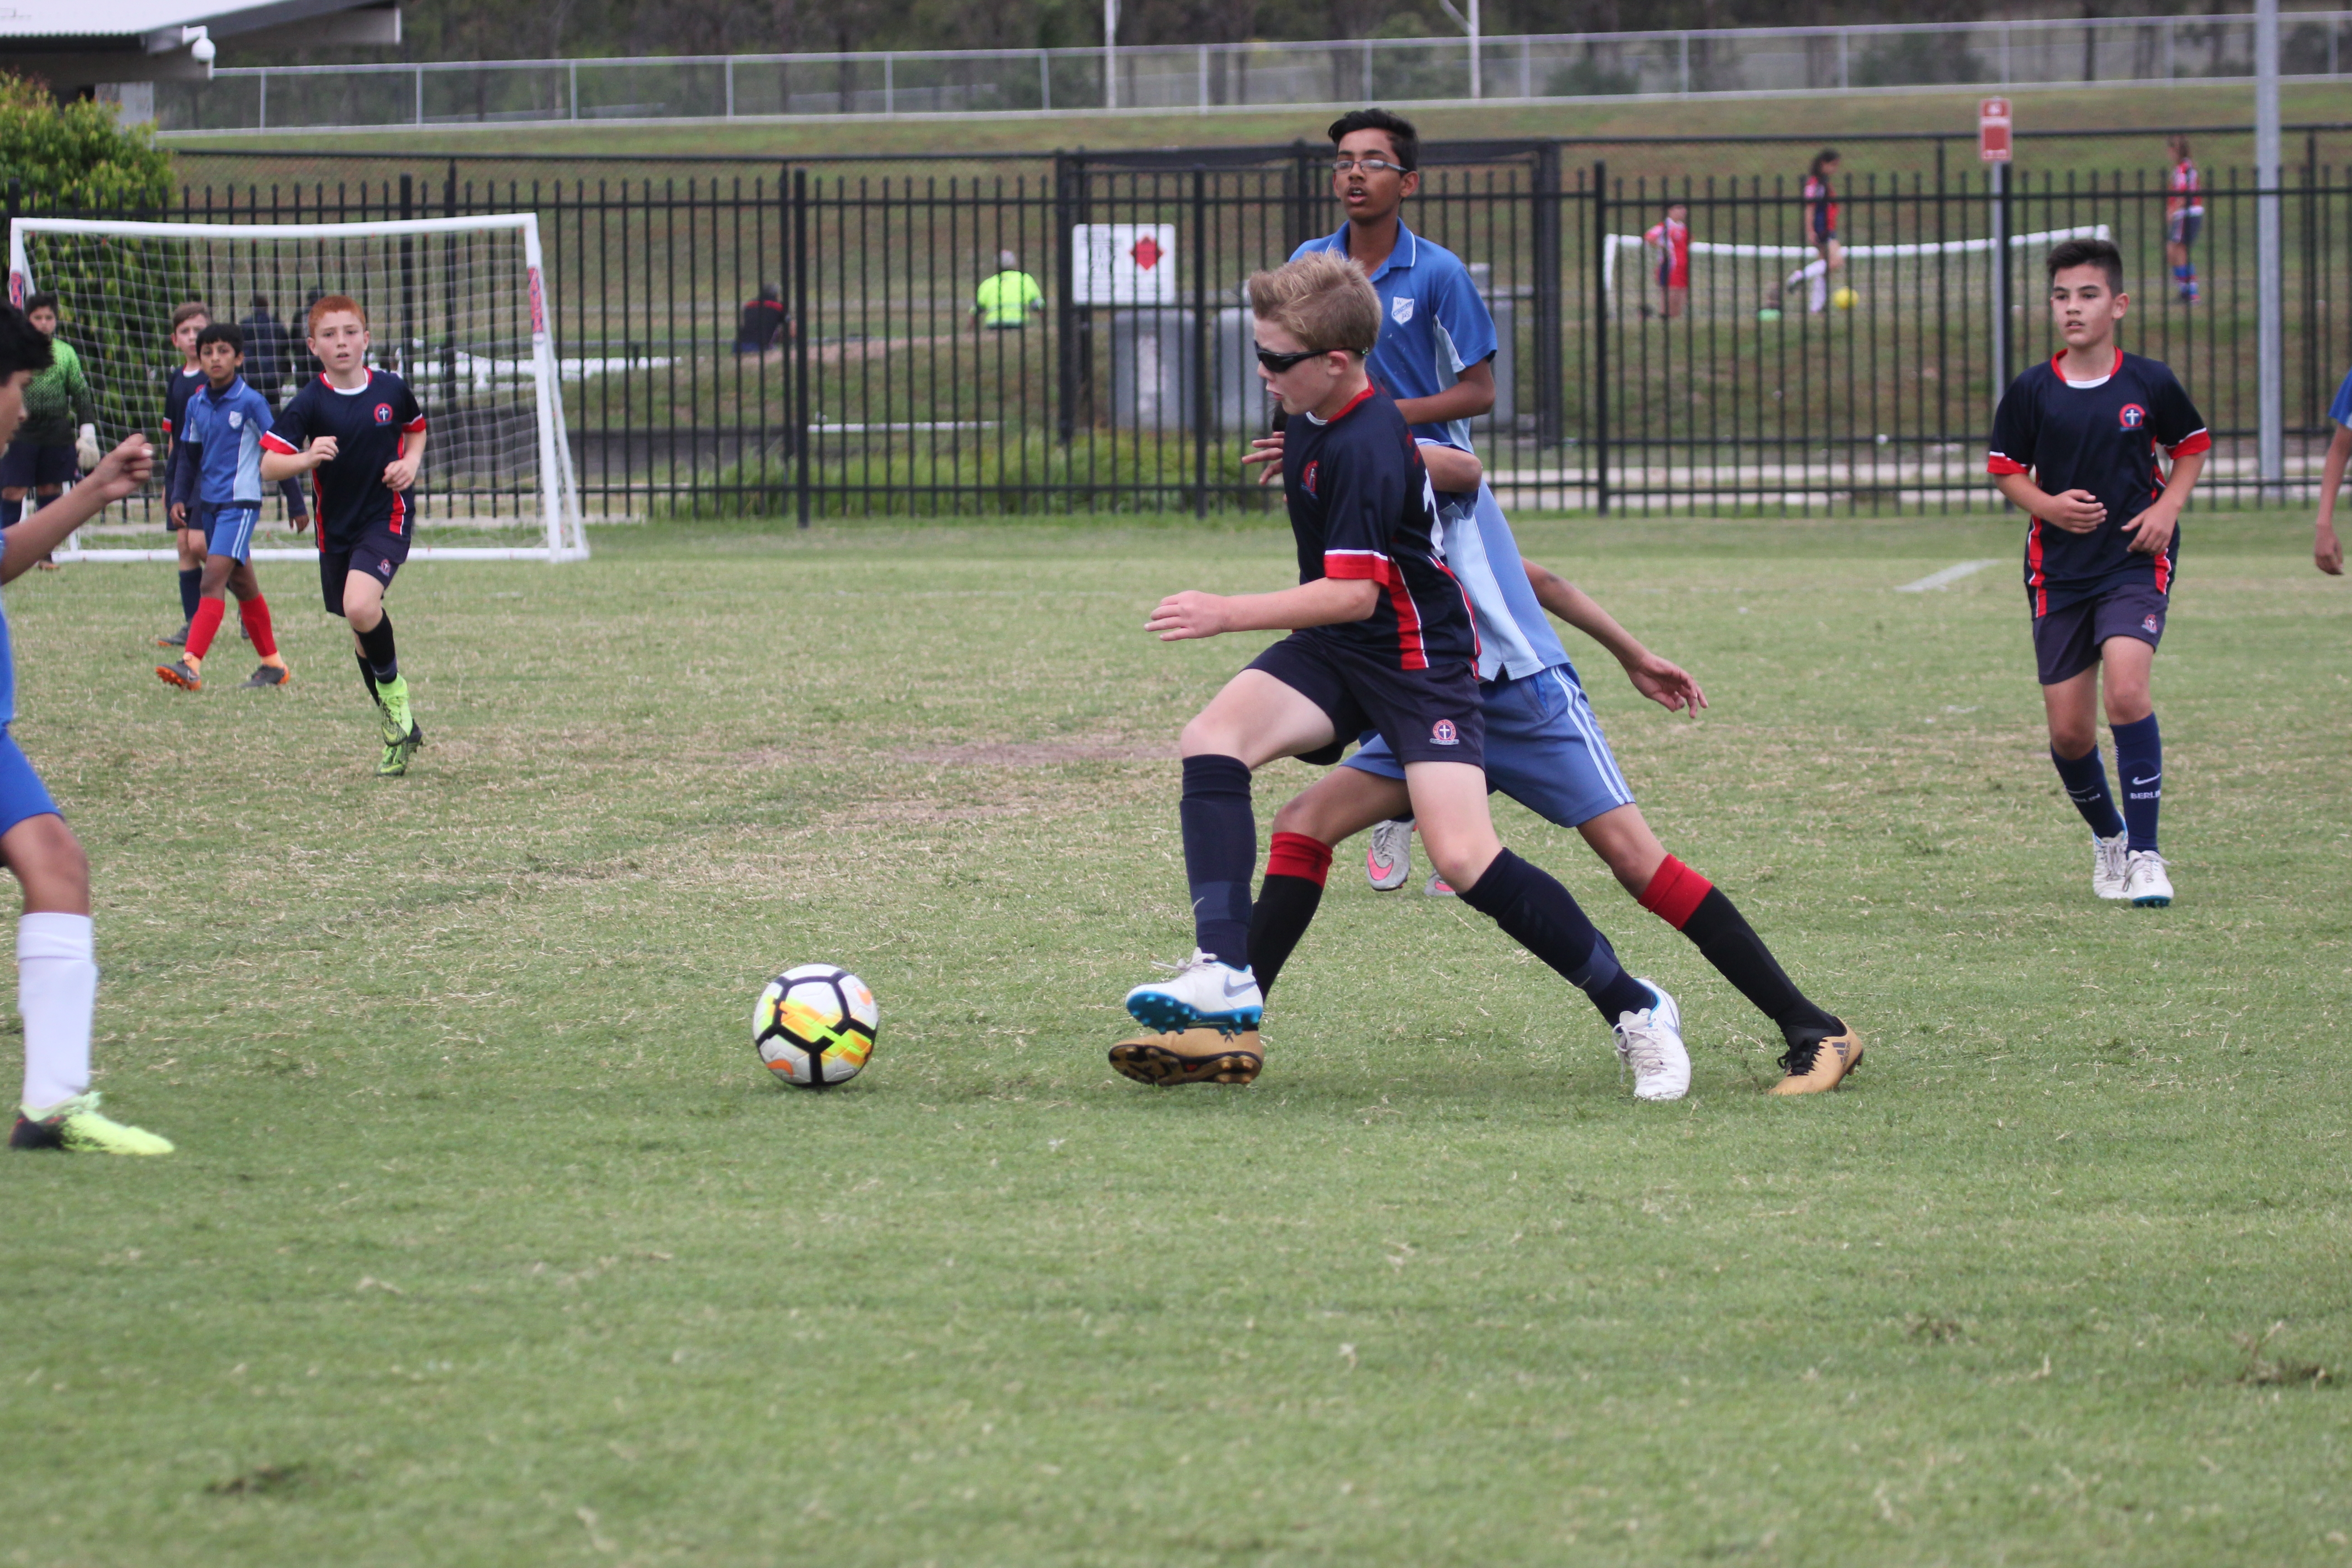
column 1123, row 263
column 1993, row 129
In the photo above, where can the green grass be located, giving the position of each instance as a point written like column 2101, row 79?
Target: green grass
column 488, row 1241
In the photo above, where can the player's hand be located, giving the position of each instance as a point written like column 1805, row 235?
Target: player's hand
column 1665, row 683
column 1191, row 614
column 122, row 472
column 300, row 524
column 2078, row 511
column 2326, row 551
column 179, row 513
column 1266, row 449
column 322, row 450
column 2151, row 530
column 86, row 447
column 400, row 473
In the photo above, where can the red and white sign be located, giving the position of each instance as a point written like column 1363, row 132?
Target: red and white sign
column 1993, row 129
column 1123, row 263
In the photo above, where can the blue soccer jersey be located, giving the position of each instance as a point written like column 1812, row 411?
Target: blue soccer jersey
column 1361, row 508
column 370, row 425
column 2340, row 411
column 225, row 427
column 2101, row 436
column 1515, row 636
column 1434, row 325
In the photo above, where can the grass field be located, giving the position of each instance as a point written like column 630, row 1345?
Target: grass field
column 488, row 1241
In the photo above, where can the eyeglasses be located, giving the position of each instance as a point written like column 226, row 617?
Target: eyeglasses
column 1368, row 165
column 1278, row 363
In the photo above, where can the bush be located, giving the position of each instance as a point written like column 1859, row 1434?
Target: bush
column 77, row 154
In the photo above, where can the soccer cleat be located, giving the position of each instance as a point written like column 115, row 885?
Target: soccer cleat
column 268, row 675
column 1388, row 864
column 2144, row 883
column 1651, row 1043
column 2107, row 864
column 77, row 1127
column 177, row 673
column 1202, row 990
column 1438, row 887
column 392, row 704
column 1820, row 1065
column 1190, row 1056
column 177, row 639
column 396, row 753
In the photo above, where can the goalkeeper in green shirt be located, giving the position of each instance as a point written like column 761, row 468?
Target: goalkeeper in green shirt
column 58, row 437
column 1005, row 301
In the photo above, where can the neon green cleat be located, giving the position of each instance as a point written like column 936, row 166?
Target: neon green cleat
column 391, row 700
column 77, row 1128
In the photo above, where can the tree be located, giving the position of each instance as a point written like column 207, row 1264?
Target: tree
column 77, row 154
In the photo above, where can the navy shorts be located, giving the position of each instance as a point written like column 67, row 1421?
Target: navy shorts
column 228, row 528
column 2067, row 642
column 379, row 552
column 1544, row 749
column 2184, row 227
column 23, row 795
column 1427, row 715
column 26, row 466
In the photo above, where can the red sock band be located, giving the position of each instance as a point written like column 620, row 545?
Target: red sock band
column 1296, row 855
column 203, row 624
column 1674, row 893
column 255, row 613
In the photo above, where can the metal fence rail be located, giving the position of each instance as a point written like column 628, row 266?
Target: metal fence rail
column 884, row 395
column 1206, row 77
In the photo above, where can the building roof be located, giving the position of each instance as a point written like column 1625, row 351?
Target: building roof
column 151, row 24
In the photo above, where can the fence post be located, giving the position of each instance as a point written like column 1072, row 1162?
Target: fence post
column 799, row 398
column 1600, row 351
column 1303, row 172
column 1998, row 176
column 1199, row 340
column 1549, row 264
column 2270, row 307
column 1066, row 309
column 407, row 277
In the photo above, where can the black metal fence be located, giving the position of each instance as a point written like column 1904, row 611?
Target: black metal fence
column 886, row 394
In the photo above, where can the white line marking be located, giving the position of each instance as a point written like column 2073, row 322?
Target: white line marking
column 1947, row 577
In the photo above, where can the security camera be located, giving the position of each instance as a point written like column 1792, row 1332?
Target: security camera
column 202, row 50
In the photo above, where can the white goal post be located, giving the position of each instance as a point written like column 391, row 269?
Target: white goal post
column 457, row 305
column 1865, row 260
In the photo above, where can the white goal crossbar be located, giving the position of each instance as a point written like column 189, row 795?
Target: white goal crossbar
column 562, row 526
column 1924, row 250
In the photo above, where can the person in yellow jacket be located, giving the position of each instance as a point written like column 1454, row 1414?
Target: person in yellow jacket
column 1005, row 301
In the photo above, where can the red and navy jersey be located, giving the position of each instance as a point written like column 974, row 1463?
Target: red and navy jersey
column 2103, row 436
column 1671, row 240
column 371, row 425
column 1821, row 209
column 1361, row 508
column 2187, row 192
column 176, row 393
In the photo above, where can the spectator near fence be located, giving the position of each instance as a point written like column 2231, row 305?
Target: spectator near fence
column 760, row 325
column 2184, row 215
column 1005, row 301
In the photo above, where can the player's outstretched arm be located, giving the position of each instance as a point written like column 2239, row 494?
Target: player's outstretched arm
column 1663, row 682
column 1325, row 602
column 1471, row 394
column 119, row 475
column 1452, row 469
column 2326, row 551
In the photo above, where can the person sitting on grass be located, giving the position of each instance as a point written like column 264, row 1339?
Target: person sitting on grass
column 226, row 421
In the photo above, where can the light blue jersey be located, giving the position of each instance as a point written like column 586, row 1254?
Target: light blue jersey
column 1515, row 636
column 1434, row 325
column 227, row 426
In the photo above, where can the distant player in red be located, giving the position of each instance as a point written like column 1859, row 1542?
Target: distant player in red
column 1820, row 233
column 1668, row 247
column 2184, row 215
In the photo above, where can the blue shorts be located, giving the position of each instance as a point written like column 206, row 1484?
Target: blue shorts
column 228, row 528
column 1544, row 749
column 23, row 795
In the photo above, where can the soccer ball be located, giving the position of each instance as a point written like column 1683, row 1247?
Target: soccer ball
column 813, row 1025
column 1845, row 298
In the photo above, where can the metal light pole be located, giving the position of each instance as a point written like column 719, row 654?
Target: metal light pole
column 2269, row 279
column 1111, row 54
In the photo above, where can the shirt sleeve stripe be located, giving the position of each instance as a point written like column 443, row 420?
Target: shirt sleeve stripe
column 276, row 443
column 415, row 424
column 1367, row 565
column 2196, row 441
column 2001, row 463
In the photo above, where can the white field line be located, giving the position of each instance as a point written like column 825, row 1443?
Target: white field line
column 1934, row 580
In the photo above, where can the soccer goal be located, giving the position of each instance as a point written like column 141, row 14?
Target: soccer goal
column 454, row 305
column 1729, row 281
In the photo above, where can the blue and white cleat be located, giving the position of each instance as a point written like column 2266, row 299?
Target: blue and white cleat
column 1202, row 993
column 1651, row 1043
column 2146, row 885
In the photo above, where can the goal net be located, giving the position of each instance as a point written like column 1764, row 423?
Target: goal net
column 1730, row 281
column 455, row 306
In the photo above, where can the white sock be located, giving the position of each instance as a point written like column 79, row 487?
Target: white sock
column 1818, row 297
column 56, row 991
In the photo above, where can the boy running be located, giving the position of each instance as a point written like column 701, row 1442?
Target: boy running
column 186, row 321
column 2076, row 446
column 1669, row 241
column 57, row 959
column 2184, row 215
column 226, row 420
column 359, row 434
column 1381, row 638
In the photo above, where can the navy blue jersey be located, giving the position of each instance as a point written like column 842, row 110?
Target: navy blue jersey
column 176, row 450
column 371, row 425
column 1361, row 508
column 2102, row 436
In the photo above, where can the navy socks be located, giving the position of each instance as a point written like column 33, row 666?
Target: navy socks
column 2139, row 762
column 2085, row 778
column 378, row 650
column 192, row 588
column 12, row 513
column 1541, row 916
column 1220, row 853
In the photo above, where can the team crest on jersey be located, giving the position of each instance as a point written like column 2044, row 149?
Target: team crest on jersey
column 2132, row 416
column 1307, row 476
column 235, row 419
column 1400, row 308
column 383, row 412
column 1443, row 733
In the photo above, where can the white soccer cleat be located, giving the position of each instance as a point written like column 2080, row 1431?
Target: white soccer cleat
column 1388, row 864
column 1202, row 994
column 2144, row 883
column 1651, row 1043
column 2109, row 870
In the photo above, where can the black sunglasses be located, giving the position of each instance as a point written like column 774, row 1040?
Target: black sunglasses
column 1278, row 363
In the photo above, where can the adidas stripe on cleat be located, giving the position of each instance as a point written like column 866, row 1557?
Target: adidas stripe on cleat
column 1190, row 1056
column 1819, row 1066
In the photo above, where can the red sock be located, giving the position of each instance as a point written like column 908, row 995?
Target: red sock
column 1296, row 855
column 255, row 613
column 1674, row 893
column 203, row 624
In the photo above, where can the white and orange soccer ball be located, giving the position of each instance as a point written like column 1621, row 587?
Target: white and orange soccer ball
column 813, row 1025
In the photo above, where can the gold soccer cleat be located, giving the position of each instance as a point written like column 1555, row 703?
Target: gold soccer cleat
column 1198, row 1055
column 1821, row 1066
